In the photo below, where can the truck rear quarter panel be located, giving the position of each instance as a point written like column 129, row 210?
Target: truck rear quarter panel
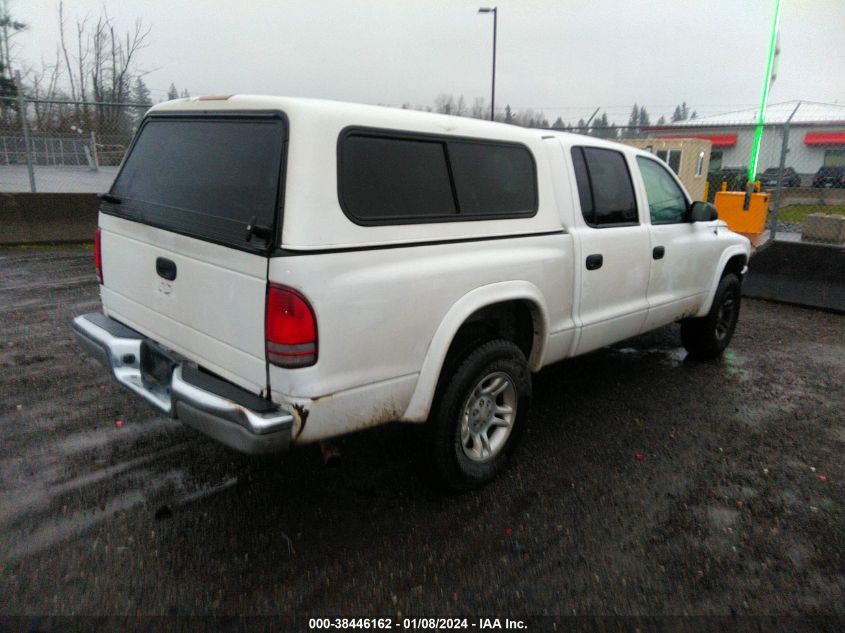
column 378, row 311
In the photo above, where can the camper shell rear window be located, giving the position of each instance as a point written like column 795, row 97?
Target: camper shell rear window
column 207, row 177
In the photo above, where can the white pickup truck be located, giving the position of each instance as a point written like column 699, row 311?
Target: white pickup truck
column 279, row 271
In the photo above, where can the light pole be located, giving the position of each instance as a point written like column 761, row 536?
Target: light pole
column 495, row 13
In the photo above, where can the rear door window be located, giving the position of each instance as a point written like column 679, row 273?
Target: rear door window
column 604, row 187
column 207, row 178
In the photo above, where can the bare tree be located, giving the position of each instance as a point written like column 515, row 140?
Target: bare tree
column 444, row 104
column 460, row 107
column 101, row 67
column 43, row 87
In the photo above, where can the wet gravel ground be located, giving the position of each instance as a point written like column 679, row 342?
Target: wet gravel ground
column 647, row 484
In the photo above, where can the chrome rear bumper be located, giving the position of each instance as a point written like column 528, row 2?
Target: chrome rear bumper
column 221, row 410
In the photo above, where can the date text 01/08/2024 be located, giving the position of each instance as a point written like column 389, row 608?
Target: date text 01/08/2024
column 414, row 623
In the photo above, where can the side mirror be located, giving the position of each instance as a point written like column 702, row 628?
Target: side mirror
column 703, row 212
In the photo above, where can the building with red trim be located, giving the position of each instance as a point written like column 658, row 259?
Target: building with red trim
column 816, row 136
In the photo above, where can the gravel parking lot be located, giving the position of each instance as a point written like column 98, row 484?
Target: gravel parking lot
column 647, row 485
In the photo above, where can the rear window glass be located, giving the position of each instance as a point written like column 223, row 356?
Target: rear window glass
column 387, row 178
column 206, row 178
column 493, row 179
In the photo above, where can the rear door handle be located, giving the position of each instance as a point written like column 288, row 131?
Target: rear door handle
column 658, row 252
column 594, row 262
column 166, row 268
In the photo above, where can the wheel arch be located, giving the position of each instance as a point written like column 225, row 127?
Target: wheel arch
column 474, row 307
column 733, row 260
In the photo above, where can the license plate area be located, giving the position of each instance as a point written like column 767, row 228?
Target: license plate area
column 157, row 364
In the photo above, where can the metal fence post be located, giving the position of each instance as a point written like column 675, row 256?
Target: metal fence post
column 25, row 129
column 94, row 151
column 784, row 148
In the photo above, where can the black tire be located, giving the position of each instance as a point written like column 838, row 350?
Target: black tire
column 707, row 337
column 490, row 364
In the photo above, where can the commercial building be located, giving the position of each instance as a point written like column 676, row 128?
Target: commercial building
column 816, row 136
column 689, row 158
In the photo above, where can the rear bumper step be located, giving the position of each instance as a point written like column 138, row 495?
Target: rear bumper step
column 221, row 410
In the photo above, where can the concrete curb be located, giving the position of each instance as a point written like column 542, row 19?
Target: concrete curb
column 39, row 218
column 800, row 273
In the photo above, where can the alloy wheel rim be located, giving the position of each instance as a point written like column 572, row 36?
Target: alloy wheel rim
column 487, row 417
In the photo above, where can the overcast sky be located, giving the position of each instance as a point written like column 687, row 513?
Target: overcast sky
column 565, row 58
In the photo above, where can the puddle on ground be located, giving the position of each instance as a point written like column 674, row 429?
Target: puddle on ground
column 675, row 356
column 672, row 357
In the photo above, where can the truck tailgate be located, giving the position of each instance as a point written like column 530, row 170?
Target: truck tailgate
column 212, row 312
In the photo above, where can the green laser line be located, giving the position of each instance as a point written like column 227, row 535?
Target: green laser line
column 758, row 131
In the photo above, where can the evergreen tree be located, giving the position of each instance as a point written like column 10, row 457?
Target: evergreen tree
column 172, row 93
column 558, row 124
column 694, row 115
column 140, row 92
column 661, row 120
column 644, row 119
column 634, row 119
column 8, row 27
column 582, row 124
column 509, row 118
column 185, row 94
column 601, row 126
column 682, row 113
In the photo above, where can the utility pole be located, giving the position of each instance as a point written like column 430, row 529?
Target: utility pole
column 495, row 12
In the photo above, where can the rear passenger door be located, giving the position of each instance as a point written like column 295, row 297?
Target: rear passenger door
column 683, row 253
column 614, row 246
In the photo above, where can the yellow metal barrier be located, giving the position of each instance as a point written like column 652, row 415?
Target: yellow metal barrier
column 751, row 222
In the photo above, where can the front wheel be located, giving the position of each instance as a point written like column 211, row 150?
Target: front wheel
column 707, row 337
column 479, row 414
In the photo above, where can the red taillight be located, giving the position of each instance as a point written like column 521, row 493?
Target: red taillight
column 290, row 328
column 98, row 257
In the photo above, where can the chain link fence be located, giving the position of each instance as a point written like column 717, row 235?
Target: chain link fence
column 801, row 162
column 59, row 146
column 55, row 146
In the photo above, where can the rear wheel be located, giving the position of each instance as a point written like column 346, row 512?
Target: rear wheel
column 478, row 415
column 708, row 336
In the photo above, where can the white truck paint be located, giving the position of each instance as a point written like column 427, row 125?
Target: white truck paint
column 390, row 299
